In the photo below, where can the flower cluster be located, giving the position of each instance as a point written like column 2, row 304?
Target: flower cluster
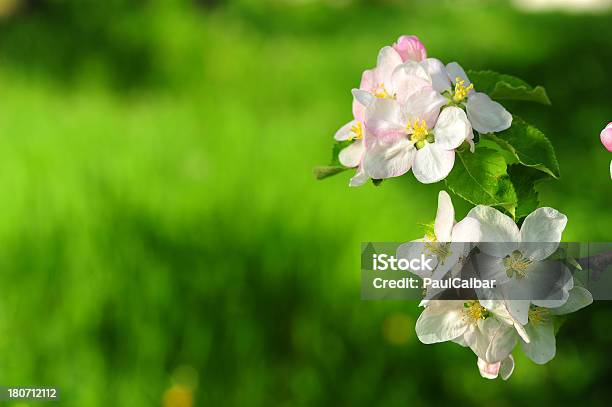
column 516, row 311
column 413, row 112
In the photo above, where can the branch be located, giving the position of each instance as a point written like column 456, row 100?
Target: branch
column 597, row 263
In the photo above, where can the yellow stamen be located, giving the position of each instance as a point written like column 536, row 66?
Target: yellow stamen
column 430, row 233
column 357, row 131
column 418, row 130
column 516, row 264
column 461, row 91
column 440, row 249
column 380, row 92
column 538, row 315
column 473, row 311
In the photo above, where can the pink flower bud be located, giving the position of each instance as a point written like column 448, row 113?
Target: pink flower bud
column 410, row 48
column 488, row 370
column 606, row 137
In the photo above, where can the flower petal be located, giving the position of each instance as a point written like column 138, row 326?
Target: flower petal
column 456, row 71
column 488, row 370
column 439, row 76
column 507, row 367
column 499, row 233
column 408, row 78
column 367, row 80
column 359, row 110
column 606, row 137
column 363, row 97
column 550, row 283
column 351, row 155
column 345, row 132
column 543, row 226
column 490, row 339
column 410, row 48
column 414, row 250
column 486, row 115
column 385, row 160
column 433, row 164
column 490, row 268
column 424, row 104
column 476, row 340
column 441, row 321
column 388, row 60
column 445, row 217
column 384, row 120
column 542, row 347
column 579, row 297
column 359, row 178
column 467, row 230
column 519, row 309
column 452, row 128
column 502, row 340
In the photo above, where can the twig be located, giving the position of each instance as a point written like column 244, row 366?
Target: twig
column 596, row 263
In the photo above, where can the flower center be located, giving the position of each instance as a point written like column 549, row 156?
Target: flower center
column 538, row 315
column 461, row 91
column 473, row 311
column 430, row 233
column 516, row 265
column 439, row 249
column 419, row 133
column 357, row 131
column 379, row 91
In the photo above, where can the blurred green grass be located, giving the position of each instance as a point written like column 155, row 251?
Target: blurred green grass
column 160, row 212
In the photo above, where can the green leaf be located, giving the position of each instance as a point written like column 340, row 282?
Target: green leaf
column 481, row 178
column 524, row 180
column 506, row 87
column 529, row 145
column 322, row 172
column 377, row 182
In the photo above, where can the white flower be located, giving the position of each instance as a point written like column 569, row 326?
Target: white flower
column 486, row 115
column 488, row 332
column 503, row 368
column 514, row 258
column 414, row 134
column 448, row 242
column 541, row 331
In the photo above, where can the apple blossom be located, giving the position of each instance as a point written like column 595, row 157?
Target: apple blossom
column 514, row 258
column 485, row 115
column 414, row 135
column 488, row 332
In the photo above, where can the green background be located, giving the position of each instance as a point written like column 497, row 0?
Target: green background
column 164, row 242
